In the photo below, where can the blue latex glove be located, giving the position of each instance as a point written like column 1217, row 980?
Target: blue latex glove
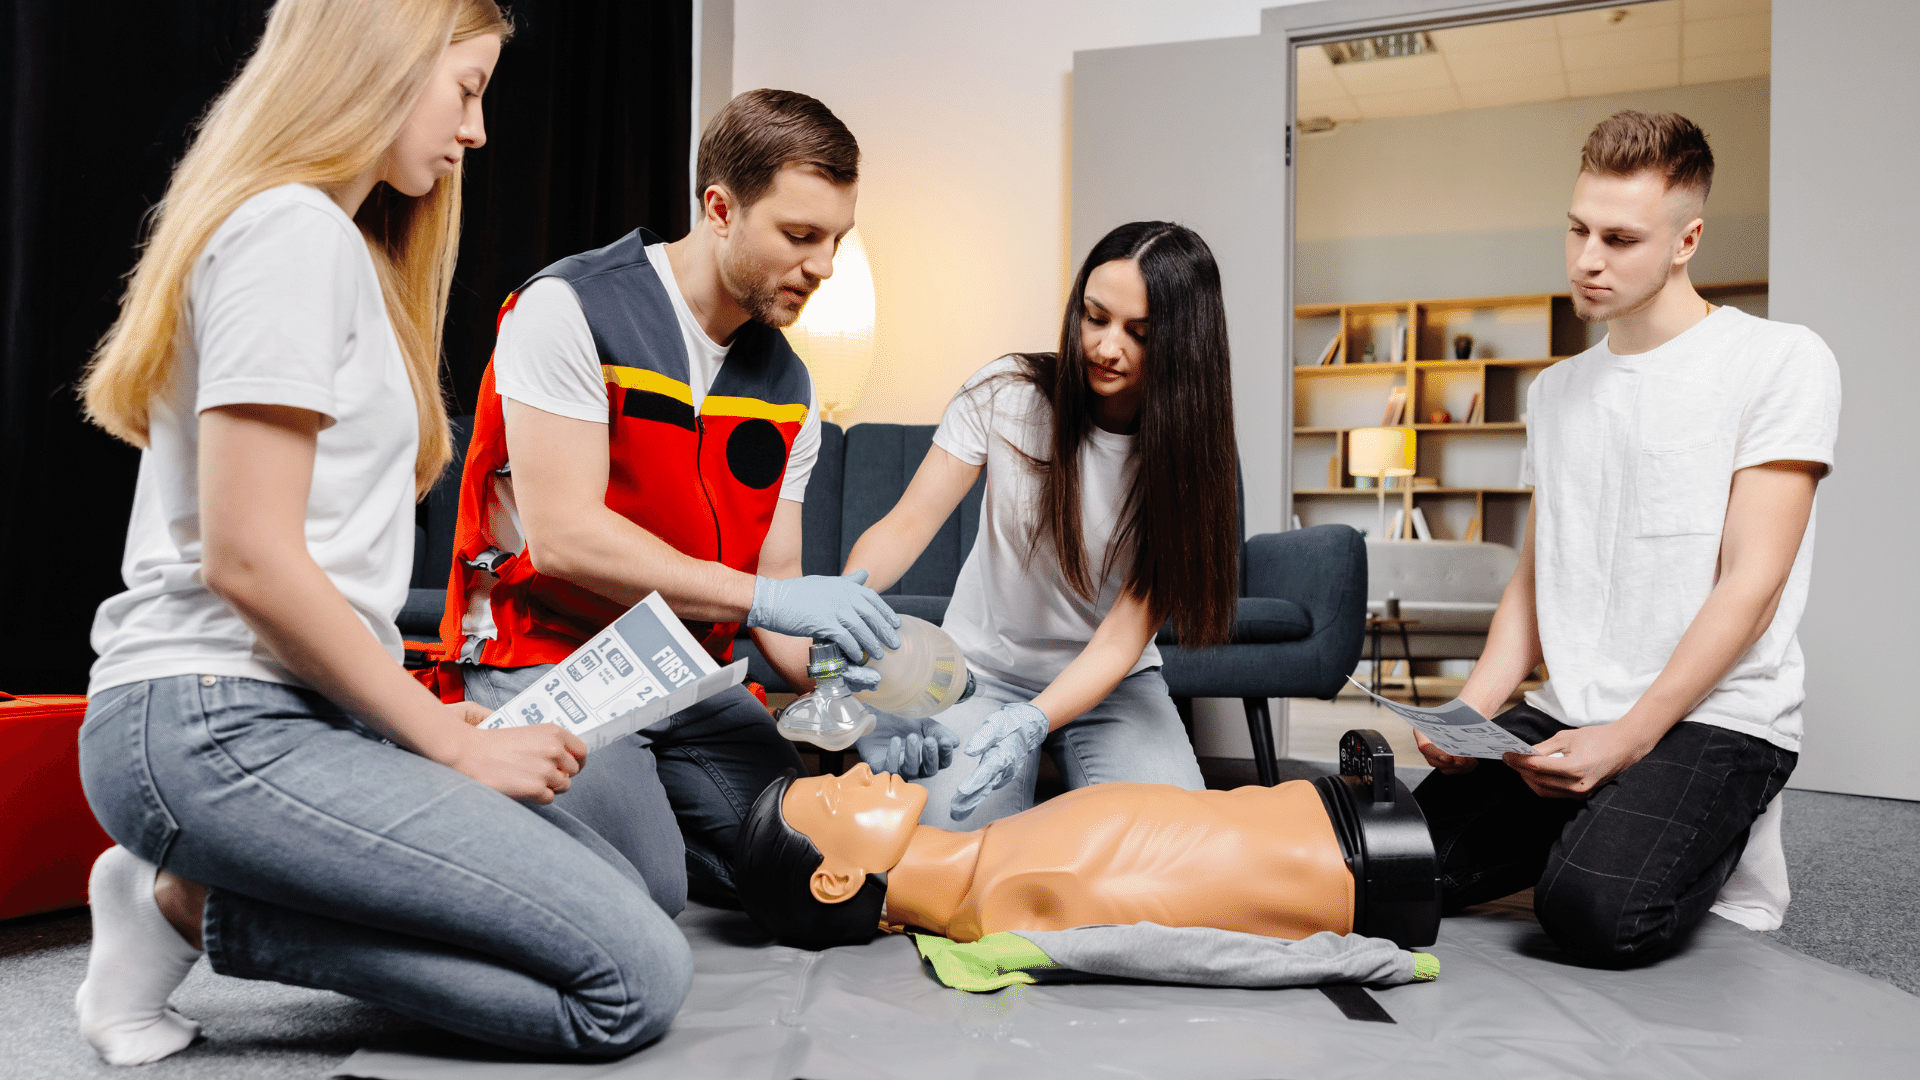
column 860, row 679
column 837, row 609
column 910, row 749
column 1007, row 739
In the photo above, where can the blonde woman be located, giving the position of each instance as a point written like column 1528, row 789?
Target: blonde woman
column 282, row 794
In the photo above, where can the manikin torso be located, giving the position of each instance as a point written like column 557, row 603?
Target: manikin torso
column 1257, row 860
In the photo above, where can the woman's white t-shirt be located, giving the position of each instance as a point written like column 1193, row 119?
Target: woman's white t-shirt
column 1015, row 616
column 284, row 309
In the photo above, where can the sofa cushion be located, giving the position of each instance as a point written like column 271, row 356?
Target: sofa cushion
column 1259, row 620
column 880, row 460
column 1439, row 570
column 820, row 513
column 931, row 608
column 1441, row 617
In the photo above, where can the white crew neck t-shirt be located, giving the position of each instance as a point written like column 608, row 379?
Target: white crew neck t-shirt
column 1015, row 617
column 1632, row 459
column 283, row 308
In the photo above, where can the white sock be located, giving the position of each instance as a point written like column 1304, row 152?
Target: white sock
column 137, row 960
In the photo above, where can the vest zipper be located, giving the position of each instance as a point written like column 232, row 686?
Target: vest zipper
column 699, row 469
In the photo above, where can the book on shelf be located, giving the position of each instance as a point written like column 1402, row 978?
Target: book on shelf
column 1332, row 350
column 1426, row 481
column 1333, row 471
column 1420, row 528
column 1477, row 411
column 1399, row 525
column 1296, row 522
column 1396, row 405
column 1397, row 351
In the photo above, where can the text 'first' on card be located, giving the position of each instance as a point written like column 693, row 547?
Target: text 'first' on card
column 631, row 676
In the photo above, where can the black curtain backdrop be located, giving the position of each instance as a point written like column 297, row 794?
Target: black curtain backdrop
column 587, row 127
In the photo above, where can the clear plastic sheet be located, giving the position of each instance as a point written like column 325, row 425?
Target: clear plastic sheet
column 1732, row 1004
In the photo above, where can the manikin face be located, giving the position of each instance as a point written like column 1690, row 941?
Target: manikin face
column 1626, row 237
column 861, row 823
column 445, row 122
column 1113, row 331
column 777, row 251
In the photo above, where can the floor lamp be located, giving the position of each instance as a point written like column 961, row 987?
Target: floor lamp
column 1380, row 452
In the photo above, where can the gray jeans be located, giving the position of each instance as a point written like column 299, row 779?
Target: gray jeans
column 682, row 788
column 336, row 860
column 1133, row 735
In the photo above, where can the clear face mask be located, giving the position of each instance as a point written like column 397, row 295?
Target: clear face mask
column 927, row 674
column 830, row 717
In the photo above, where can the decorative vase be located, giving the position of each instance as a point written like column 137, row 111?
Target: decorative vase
column 1463, row 347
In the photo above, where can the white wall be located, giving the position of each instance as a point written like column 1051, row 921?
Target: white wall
column 1846, row 147
column 962, row 115
column 1474, row 203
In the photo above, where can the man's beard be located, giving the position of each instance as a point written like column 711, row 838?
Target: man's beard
column 755, row 290
column 1593, row 313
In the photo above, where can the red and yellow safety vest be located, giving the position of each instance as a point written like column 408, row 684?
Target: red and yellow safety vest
column 704, row 481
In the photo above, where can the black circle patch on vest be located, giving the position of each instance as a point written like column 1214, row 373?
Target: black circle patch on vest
column 756, row 453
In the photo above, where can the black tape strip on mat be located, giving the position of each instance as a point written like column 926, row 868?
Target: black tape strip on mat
column 1356, row 1004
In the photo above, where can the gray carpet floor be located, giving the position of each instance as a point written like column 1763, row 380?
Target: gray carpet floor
column 1855, row 866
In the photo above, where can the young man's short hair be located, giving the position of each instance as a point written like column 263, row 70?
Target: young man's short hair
column 1630, row 142
column 761, row 131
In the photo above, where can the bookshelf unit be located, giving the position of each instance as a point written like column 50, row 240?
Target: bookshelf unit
column 1474, row 466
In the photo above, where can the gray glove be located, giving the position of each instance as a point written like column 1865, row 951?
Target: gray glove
column 837, row 609
column 910, row 749
column 1002, row 744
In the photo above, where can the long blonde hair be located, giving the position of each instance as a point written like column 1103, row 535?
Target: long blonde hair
column 324, row 94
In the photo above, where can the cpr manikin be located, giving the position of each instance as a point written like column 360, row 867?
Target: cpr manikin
column 826, row 860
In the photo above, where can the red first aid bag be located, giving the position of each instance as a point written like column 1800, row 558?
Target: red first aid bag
column 48, row 838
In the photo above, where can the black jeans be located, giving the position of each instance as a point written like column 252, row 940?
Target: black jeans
column 702, row 771
column 1623, row 876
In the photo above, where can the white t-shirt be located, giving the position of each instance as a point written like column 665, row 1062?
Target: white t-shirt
column 1632, row 458
column 545, row 357
column 1016, row 617
column 284, row 308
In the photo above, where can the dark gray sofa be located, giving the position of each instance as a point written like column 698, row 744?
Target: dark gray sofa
column 1297, row 632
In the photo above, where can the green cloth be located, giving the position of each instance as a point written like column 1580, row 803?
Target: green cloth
column 993, row 962
column 1426, row 967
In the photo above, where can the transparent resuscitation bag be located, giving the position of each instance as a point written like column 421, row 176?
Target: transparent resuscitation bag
column 925, row 675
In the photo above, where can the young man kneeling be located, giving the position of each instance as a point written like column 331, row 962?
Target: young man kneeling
column 1662, row 578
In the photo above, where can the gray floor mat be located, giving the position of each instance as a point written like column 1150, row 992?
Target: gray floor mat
column 1734, row 1003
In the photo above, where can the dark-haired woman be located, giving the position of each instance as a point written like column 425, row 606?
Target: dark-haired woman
column 1109, row 511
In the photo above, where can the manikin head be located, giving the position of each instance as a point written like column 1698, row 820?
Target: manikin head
column 1635, row 220
column 777, row 177
column 814, row 851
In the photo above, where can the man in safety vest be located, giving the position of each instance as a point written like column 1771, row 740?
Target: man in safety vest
column 643, row 426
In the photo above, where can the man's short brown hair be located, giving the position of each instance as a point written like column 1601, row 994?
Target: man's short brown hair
column 761, row 131
column 1630, row 142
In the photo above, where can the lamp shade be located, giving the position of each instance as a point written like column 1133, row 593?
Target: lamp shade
column 1380, row 451
column 834, row 334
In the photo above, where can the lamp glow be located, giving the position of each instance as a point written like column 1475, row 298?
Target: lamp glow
column 1381, row 452
column 834, row 334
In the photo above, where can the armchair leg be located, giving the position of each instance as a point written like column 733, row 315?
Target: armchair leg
column 1260, row 730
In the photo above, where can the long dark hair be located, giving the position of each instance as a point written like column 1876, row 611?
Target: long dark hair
column 1181, row 516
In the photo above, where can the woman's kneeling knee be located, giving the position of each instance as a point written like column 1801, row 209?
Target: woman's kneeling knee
column 656, row 985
